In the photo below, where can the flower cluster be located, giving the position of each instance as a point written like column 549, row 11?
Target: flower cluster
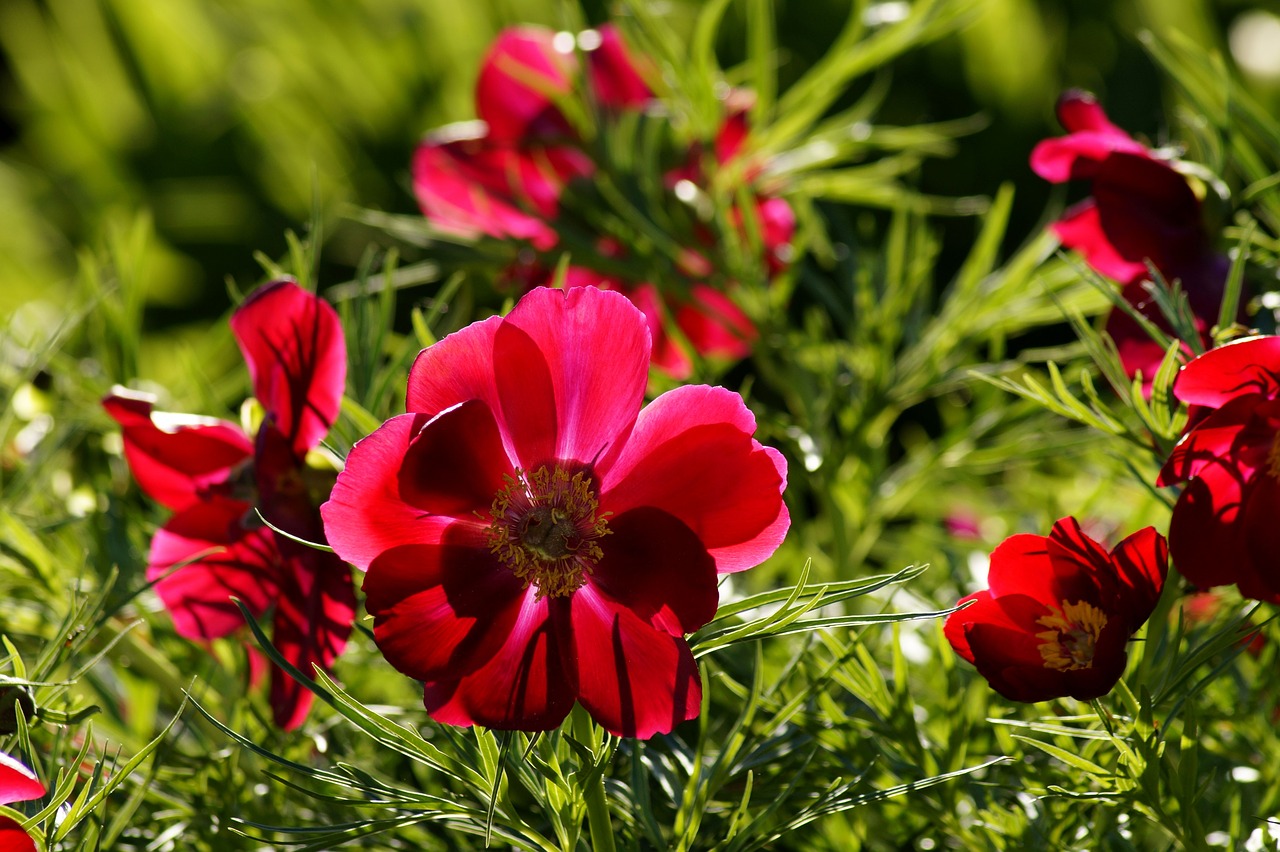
column 505, row 175
column 531, row 537
column 1059, row 612
column 217, row 478
column 1141, row 210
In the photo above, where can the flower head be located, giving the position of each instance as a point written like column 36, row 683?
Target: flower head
column 533, row 538
column 1059, row 611
column 1141, row 210
column 216, row 478
column 1223, row 526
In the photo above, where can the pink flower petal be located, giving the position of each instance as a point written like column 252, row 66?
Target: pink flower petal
column 292, row 342
column 1211, row 441
column 1204, row 539
column 1081, row 230
column 1248, row 366
column 396, row 491
column 231, row 560
column 634, row 680
column 714, row 325
column 314, row 611
column 524, row 687
column 184, row 463
column 442, row 611
column 17, row 782
column 692, row 455
column 518, row 78
column 1079, row 111
column 615, row 72
column 655, row 566
column 1142, row 562
column 13, row 838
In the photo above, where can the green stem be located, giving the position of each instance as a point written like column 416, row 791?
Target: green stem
column 597, row 805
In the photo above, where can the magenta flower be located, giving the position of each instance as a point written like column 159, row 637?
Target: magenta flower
column 533, row 538
column 1059, row 612
column 213, row 475
column 1141, row 209
column 502, row 176
column 17, row 784
column 1223, row 526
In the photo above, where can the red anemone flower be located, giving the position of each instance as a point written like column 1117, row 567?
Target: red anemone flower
column 532, row 537
column 1141, row 210
column 502, row 176
column 213, row 475
column 1059, row 612
column 1223, row 526
column 17, row 784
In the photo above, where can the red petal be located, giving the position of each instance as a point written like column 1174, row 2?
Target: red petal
column 13, row 838
column 231, row 559
column 1081, row 230
column 17, row 782
column 1212, row 439
column 667, row 356
column 692, row 455
column 181, row 465
column 634, row 680
column 1207, row 545
column 615, row 72
column 1248, row 366
column 1148, row 211
column 1079, row 110
column 456, row 465
column 292, row 341
column 983, row 609
column 1260, row 507
column 714, row 325
column 655, row 566
column 1142, row 562
column 441, row 611
column 525, row 687
column 518, row 77
column 315, row 609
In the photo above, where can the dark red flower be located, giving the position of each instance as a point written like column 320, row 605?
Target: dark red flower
column 213, row 476
column 1224, row 524
column 502, row 176
column 1059, row 611
column 533, row 538
column 1141, row 209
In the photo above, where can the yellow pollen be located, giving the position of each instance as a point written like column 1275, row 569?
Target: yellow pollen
column 1273, row 457
column 1072, row 637
column 544, row 528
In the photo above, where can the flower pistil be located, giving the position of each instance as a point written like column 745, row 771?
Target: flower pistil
column 1072, row 637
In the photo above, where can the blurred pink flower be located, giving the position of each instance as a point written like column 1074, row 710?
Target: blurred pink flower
column 213, row 475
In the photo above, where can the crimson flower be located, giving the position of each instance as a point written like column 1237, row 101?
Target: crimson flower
column 1223, row 526
column 1059, row 612
column 213, row 475
column 533, row 538
column 1141, row 209
column 17, row 784
column 502, row 176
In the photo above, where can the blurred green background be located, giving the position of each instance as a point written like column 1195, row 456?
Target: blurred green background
column 206, row 128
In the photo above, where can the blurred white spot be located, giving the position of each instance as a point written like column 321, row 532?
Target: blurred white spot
column 1271, row 301
column 915, row 650
column 563, row 42
column 807, row 446
column 322, row 745
column 30, row 436
column 169, row 421
column 927, row 843
column 1258, row 841
column 879, row 14
column 589, row 39
column 1218, row 838
column 113, row 444
column 1245, row 774
column 1254, row 38
column 979, row 564
column 26, row 404
column 859, row 131
column 686, row 191
column 261, row 789
column 82, row 502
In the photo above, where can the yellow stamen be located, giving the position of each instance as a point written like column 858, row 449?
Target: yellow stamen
column 1273, row 457
column 544, row 528
column 1072, row 637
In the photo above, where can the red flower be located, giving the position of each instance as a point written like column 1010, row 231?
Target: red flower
column 1059, row 612
column 532, row 537
column 17, row 784
column 502, row 176
column 1223, row 526
column 1141, row 210
column 212, row 474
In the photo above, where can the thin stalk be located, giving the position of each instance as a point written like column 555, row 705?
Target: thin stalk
column 597, row 805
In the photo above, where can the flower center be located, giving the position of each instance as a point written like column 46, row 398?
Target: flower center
column 1072, row 637
column 544, row 528
column 1273, row 457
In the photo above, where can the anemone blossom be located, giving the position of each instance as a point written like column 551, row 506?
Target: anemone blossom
column 213, row 476
column 533, row 538
column 1059, row 611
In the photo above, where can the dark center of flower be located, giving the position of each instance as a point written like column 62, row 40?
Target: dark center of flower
column 544, row 528
column 1273, row 457
column 1072, row 637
